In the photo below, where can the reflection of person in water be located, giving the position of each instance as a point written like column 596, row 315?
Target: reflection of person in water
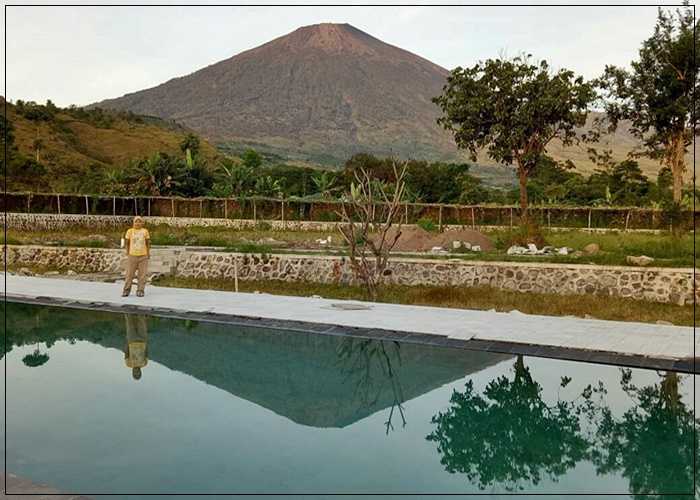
column 136, row 348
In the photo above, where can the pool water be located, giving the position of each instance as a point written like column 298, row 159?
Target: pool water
column 103, row 403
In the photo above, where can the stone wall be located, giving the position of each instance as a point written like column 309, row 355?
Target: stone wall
column 653, row 284
column 52, row 222
column 86, row 260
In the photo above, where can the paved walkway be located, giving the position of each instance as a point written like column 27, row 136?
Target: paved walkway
column 627, row 338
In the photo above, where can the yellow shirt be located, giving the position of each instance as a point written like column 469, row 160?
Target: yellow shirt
column 137, row 241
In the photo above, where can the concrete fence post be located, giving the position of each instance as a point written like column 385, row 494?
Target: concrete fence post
column 511, row 217
column 172, row 206
column 255, row 215
column 226, row 208
column 114, row 205
column 87, row 207
column 136, row 208
column 149, row 206
column 201, row 207
column 473, row 220
column 284, row 224
column 590, row 212
column 58, row 203
column 440, row 218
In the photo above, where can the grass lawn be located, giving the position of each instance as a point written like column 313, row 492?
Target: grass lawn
column 669, row 251
column 483, row 298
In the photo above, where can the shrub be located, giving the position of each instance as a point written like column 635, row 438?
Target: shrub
column 427, row 225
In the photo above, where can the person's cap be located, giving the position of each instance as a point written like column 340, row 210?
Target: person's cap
column 138, row 218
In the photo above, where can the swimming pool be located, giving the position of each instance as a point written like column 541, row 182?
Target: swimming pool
column 105, row 403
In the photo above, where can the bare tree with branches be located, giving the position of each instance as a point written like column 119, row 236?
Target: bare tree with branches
column 369, row 211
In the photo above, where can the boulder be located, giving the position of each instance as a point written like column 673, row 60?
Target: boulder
column 517, row 250
column 24, row 271
column 456, row 245
column 70, row 272
column 563, row 251
column 641, row 260
column 662, row 322
column 95, row 237
column 592, row 248
column 476, row 248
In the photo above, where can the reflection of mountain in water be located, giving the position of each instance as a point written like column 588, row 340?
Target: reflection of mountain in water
column 311, row 379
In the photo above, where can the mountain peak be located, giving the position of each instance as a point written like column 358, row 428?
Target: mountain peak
column 330, row 37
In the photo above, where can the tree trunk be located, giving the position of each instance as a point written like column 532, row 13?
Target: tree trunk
column 522, row 178
column 677, row 170
column 677, row 164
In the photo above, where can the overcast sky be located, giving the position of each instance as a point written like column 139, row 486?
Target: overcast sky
column 79, row 55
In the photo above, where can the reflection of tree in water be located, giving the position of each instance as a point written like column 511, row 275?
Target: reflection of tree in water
column 653, row 443
column 371, row 364
column 508, row 435
column 37, row 358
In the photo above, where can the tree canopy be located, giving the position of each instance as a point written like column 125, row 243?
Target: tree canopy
column 656, row 94
column 513, row 109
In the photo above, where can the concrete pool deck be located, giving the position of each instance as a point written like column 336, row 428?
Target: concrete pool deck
column 614, row 342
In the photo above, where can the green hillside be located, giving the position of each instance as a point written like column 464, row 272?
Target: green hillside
column 54, row 149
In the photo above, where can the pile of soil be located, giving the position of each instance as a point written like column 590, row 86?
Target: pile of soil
column 420, row 240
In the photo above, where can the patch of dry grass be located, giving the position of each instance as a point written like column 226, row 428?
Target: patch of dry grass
column 482, row 298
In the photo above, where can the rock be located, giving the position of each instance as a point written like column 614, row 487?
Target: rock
column 95, row 237
column 437, row 250
column 577, row 254
column 517, row 250
column 51, row 273
column 588, row 316
column 467, row 245
column 642, row 260
column 563, row 251
column 476, row 248
column 24, row 271
column 70, row 272
column 592, row 248
column 662, row 322
column 316, row 297
column 532, row 248
column 456, row 245
column 273, row 242
column 546, row 250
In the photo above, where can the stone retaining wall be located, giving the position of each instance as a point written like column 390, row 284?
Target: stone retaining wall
column 52, row 222
column 653, row 284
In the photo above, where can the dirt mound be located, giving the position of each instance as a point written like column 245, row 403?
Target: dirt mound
column 420, row 240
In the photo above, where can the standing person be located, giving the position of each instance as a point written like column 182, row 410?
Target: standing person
column 138, row 251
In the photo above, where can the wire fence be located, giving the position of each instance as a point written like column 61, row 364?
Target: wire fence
column 258, row 208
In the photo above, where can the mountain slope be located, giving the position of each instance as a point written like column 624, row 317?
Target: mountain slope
column 328, row 88
column 71, row 143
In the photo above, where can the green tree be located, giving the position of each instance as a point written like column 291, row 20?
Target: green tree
column 251, row 158
column 190, row 146
column 233, row 179
column 509, row 434
column 324, row 183
column 656, row 95
column 514, row 109
column 268, row 187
